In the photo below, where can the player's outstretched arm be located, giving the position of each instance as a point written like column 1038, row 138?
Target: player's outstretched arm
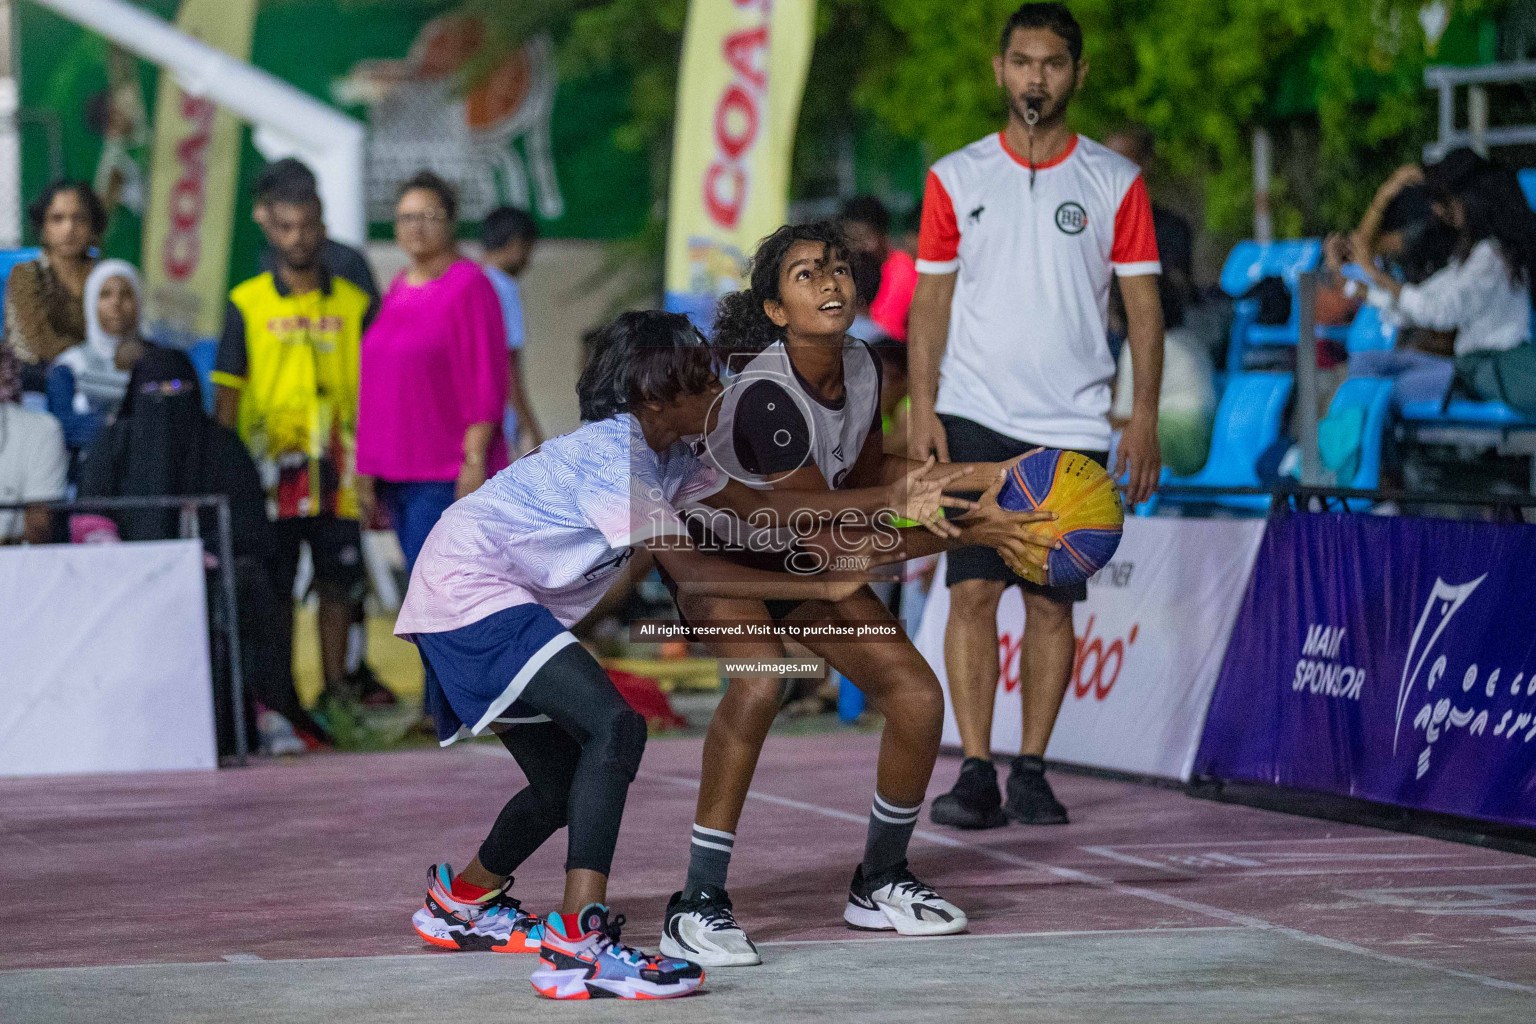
column 699, row 573
column 919, row 495
column 1009, row 533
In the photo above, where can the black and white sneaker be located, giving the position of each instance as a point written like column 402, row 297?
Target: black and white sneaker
column 895, row 899
column 702, row 928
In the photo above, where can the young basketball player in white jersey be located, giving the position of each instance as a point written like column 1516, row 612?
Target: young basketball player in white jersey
column 499, row 582
column 798, row 431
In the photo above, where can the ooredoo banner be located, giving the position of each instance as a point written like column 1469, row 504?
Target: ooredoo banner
column 1392, row 659
column 738, row 99
column 1150, row 641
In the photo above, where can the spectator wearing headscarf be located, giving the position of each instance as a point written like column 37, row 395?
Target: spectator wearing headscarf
column 86, row 383
column 162, row 443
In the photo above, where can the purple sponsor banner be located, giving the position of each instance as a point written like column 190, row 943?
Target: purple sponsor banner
column 1390, row 659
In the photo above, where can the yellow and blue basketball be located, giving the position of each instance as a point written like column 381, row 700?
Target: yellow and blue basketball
column 1089, row 515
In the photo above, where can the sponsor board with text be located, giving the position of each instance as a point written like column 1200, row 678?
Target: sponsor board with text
column 1150, row 640
column 1390, row 659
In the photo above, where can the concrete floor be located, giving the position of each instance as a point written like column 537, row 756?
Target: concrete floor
column 282, row 893
column 1225, row 975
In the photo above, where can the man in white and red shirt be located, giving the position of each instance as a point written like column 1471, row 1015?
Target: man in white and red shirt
column 1020, row 236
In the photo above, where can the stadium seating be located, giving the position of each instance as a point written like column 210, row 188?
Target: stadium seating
column 1249, row 263
column 1528, row 185
column 8, row 260
column 1373, row 397
column 1369, row 333
column 202, row 355
column 1248, row 421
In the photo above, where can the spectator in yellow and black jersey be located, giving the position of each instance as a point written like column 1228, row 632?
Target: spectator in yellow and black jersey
column 286, row 377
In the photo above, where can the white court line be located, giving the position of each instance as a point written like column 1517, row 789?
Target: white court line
column 1182, row 871
column 1275, row 842
column 1098, row 881
column 883, row 937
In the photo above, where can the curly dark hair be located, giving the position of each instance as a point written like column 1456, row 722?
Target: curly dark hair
column 446, row 194
column 37, row 210
column 643, row 356
column 740, row 323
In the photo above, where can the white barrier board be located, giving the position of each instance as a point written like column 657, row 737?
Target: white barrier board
column 104, row 661
column 1151, row 637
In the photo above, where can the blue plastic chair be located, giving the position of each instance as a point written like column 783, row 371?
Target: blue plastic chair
column 1464, row 412
column 1247, row 264
column 1247, row 422
column 1373, row 396
column 1528, row 185
column 1368, row 333
column 8, row 260
column 203, row 355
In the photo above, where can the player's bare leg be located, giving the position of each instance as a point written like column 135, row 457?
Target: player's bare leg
column 699, row 924
column 884, row 894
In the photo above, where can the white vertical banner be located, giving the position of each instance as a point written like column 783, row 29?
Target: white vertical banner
column 106, row 665
column 1150, row 641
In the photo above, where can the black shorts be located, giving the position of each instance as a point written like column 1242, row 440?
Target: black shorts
column 767, row 561
column 972, row 442
column 335, row 547
column 778, row 610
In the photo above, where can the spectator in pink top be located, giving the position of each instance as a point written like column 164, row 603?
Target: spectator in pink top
column 433, row 375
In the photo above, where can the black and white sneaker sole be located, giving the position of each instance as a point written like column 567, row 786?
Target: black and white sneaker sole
column 876, row 919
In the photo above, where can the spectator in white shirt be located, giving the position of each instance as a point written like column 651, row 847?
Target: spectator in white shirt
column 1483, row 295
column 33, row 462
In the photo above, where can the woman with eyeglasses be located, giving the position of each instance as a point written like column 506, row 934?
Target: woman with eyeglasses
column 433, row 374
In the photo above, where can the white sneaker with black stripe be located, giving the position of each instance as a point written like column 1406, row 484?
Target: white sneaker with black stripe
column 896, row 900
column 702, row 928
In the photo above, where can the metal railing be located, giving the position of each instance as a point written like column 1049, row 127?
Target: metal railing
column 1478, row 135
column 189, row 528
column 1285, row 496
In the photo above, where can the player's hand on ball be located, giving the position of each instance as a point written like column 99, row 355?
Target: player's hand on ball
column 1015, row 535
column 919, row 496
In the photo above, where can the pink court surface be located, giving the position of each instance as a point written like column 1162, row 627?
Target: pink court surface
column 283, row 892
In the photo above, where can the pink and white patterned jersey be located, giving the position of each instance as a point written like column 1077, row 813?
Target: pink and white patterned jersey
column 1027, row 354
column 555, row 528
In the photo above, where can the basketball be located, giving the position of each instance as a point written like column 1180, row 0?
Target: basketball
column 1088, row 510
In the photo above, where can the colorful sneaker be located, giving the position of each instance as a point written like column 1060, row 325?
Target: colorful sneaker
column 583, row 958
column 895, row 899
column 495, row 922
column 703, row 929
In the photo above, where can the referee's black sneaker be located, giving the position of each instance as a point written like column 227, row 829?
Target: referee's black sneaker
column 1030, row 800
column 975, row 802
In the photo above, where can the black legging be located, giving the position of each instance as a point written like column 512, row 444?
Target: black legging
column 579, row 766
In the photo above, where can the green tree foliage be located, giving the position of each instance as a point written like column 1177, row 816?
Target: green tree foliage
column 1338, row 82
column 1201, row 74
